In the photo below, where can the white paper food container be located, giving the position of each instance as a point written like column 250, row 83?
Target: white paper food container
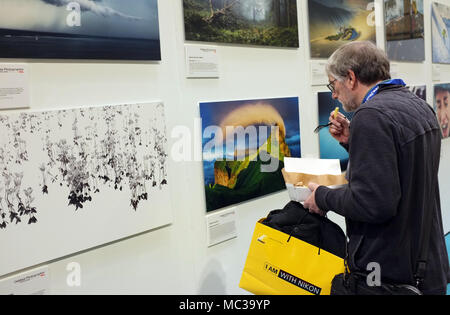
column 300, row 194
column 306, row 170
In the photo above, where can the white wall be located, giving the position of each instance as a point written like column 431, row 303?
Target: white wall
column 175, row 259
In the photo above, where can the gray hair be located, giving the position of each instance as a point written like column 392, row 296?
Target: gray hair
column 369, row 63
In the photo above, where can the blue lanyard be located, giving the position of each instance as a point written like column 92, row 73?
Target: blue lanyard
column 374, row 91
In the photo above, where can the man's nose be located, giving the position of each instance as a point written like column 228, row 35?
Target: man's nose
column 334, row 95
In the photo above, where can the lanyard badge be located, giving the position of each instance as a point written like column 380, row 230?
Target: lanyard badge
column 374, row 91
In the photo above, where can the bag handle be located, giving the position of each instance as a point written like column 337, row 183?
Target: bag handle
column 298, row 223
column 320, row 227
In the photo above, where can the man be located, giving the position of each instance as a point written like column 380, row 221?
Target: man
column 394, row 148
column 442, row 96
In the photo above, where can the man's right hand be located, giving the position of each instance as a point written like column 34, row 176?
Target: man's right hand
column 340, row 128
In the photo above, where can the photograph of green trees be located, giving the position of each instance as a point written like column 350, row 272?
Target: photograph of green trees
column 251, row 22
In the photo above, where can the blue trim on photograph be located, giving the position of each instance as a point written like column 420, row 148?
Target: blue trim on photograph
column 447, row 243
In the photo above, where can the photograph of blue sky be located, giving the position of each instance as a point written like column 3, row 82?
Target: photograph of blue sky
column 440, row 22
column 136, row 19
column 352, row 5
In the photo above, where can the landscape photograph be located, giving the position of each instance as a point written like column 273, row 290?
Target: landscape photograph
column 250, row 22
column 244, row 145
column 334, row 23
column 88, row 29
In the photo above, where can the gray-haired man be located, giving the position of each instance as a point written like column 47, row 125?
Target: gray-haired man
column 394, row 146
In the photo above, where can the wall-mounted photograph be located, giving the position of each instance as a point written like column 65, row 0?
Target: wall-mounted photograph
column 333, row 23
column 244, row 145
column 420, row 91
column 404, row 30
column 88, row 29
column 441, row 101
column 78, row 178
column 440, row 27
column 329, row 147
column 250, row 22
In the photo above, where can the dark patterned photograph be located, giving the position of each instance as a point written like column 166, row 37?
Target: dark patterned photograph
column 88, row 29
column 420, row 91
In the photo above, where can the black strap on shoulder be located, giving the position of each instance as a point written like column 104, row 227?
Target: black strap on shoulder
column 425, row 230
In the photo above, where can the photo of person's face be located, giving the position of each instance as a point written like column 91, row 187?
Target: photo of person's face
column 443, row 111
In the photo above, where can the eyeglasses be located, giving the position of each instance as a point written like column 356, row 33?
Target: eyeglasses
column 330, row 86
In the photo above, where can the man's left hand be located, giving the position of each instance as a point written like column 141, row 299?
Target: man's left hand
column 310, row 203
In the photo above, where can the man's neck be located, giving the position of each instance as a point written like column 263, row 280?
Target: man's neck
column 365, row 89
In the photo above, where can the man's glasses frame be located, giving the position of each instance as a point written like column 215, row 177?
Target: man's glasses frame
column 330, row 86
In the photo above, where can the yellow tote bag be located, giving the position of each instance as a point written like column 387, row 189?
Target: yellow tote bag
column 279, row 265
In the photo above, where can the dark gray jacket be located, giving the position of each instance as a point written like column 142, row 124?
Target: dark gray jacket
column 394, row 149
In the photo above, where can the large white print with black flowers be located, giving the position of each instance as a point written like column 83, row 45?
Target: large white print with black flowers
column 77, row 178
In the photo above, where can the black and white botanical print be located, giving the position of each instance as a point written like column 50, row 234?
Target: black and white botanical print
column 84, row 151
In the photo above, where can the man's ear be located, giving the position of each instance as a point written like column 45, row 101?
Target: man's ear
column 351, row 79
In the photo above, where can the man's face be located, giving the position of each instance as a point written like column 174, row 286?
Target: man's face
column 343, row 94
column 443, row 111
